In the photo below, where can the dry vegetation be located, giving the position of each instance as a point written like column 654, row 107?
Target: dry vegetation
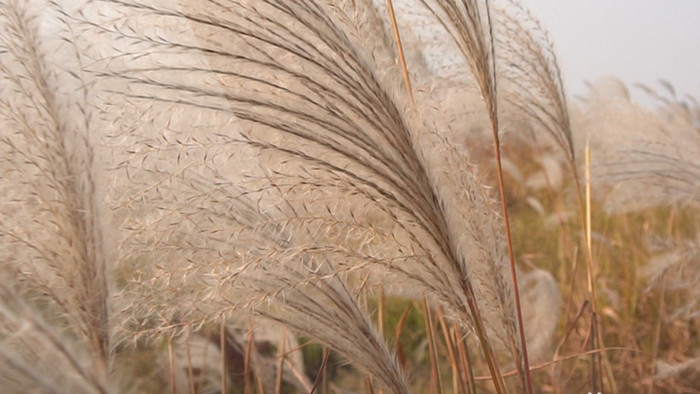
column 276, row 196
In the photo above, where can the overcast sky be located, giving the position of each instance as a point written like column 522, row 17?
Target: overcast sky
column 636, row 40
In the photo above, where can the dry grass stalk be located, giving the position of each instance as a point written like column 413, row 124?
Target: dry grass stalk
column 475, row 38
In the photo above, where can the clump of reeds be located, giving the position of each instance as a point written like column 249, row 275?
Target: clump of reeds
column 645, row 167
column 265, row 158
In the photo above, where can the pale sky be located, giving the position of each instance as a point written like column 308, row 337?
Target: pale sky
column 636, row 40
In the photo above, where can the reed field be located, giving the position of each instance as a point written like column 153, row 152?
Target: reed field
column 335, row 196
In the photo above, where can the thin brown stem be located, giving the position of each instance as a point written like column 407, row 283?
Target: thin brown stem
column 558, row 360
column 171, row 365
column 399, row 50
column 322, row 370
column 599, row 361
column 380, row 311
column 465, row 362
column 457, row 386
column 280, row 365
column 435, row 381
column 490, row 91
column 190, row 370
column 480, row 330
column 657, row 335
column 511, row 257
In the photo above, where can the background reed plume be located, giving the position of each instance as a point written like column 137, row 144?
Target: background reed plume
column 55, row 262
